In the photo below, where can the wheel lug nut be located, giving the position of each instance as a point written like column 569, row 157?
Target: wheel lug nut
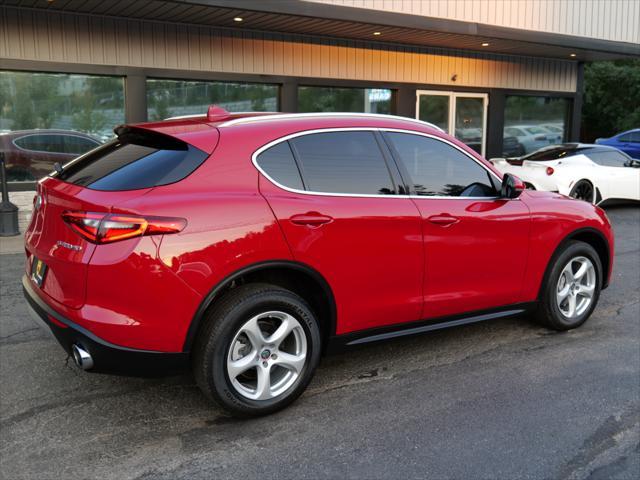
column 264, row 364
column 274, row 356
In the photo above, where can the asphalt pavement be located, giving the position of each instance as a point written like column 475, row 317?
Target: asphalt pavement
column 504, row 399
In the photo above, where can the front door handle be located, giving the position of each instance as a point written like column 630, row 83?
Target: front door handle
column 310, row 219
column 444, row 220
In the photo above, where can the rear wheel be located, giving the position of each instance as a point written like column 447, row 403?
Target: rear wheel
column 258, row 350
column 572, row 288
column 583, row 190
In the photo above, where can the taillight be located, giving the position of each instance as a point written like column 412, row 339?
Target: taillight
column 113, row 227
column 550, row 170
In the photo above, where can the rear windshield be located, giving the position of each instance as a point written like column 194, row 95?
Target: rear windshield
column 554, row 153
column 132, row 162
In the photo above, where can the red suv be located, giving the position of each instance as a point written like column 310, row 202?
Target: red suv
column 246, row 246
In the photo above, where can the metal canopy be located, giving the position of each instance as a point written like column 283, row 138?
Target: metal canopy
column 340, row 22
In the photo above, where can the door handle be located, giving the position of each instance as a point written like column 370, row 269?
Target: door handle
column 443, row 220
column 310, row 219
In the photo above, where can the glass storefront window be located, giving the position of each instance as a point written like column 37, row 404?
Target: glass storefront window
column 171, row 98
column 531, row 123
column 48, row 117
column 335, row 99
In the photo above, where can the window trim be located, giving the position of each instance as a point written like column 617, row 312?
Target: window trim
column 52, row 135
column 254, row 160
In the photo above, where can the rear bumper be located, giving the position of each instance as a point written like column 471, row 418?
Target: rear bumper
column 107, row 357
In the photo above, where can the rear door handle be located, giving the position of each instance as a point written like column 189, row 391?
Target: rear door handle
column 443, row 220
column 310, row 219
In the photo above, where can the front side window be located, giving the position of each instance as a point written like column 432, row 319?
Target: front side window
column 436, row 168
column 610, row 158
column 630, row 137
column 41, row 143
column 342, row 162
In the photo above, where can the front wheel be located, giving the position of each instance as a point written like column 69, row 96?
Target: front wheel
column 258, row 350
column 572, row 288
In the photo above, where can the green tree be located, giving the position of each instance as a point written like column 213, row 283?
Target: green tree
column 611, row 98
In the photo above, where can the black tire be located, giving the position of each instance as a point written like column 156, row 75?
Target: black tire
column 221, row 325
column 548, row 312
column 583, row 190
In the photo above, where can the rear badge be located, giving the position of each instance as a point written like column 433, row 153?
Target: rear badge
column 60, row 243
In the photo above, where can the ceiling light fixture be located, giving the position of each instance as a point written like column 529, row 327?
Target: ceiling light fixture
column 572, row 55
column 238, row 19
column 485, row 44
column 377, row 33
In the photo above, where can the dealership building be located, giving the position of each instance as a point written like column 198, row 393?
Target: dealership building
column 505, row 77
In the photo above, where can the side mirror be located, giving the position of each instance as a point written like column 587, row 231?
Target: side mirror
column 633, row 163
column 512, row 186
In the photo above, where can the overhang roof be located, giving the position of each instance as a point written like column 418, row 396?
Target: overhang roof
column 308, row 18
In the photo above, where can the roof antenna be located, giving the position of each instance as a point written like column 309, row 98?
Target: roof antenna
column 216, row 113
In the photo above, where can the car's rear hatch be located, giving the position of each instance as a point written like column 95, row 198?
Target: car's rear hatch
column 65, row 255
column 100, row 181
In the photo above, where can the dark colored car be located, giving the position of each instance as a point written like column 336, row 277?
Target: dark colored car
column 628, row 142
column 30, row 154
column 511, row 147
column 246, row 246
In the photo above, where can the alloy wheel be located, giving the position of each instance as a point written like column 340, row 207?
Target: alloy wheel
column 267, row 355
column 576, row 287
column 583, row 191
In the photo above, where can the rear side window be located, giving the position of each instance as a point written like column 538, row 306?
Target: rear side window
column 342, row 162
column 438, row 169
column 279, row 164
column 133, row 162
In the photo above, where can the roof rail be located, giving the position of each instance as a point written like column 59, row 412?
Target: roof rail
column 281, row 116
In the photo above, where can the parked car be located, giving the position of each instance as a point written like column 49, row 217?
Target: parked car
column 246, row 246
column 553, row 135
column 530, row 137
column 593, row 173
column 628, row 142
column 30, row 154
column 511, row 147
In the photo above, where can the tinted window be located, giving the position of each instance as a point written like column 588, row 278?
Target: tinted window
column 77, row 145
column 632, row 137
column 125, row 165
column 279, row 164
column 41, row 143
column 625, row 138
column 437, row 168
column 342, row 162
column 609, row 158
column 551, row 153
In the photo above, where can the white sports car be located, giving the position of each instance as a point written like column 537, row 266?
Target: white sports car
column 594, row 173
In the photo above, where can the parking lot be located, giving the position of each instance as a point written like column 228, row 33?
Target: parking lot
column 504, row 399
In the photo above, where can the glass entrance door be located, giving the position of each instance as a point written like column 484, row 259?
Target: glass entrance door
column 463, row 115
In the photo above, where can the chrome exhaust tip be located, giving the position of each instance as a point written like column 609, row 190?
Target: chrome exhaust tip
column 81, row 357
